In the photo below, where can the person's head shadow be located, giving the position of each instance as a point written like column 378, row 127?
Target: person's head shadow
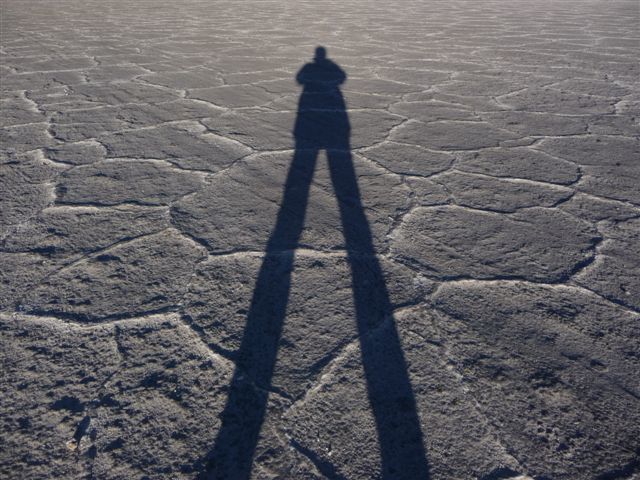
column 322, row 75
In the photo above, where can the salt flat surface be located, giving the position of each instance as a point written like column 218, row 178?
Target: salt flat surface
column 412, row 254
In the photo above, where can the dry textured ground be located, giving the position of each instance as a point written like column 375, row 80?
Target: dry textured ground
column 145, row 146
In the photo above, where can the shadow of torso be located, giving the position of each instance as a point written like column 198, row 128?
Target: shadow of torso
column 322, row 121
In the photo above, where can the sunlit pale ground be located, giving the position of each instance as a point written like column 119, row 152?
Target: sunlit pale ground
column 462, row 304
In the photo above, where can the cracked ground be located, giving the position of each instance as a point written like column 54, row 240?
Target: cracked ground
column 452, row 290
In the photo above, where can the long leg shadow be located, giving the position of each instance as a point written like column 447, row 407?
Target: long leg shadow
column 322, row 123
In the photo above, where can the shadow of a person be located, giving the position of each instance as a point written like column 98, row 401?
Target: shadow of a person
column 322, row 123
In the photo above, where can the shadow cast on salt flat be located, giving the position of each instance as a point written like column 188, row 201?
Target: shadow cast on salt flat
column 322, row 124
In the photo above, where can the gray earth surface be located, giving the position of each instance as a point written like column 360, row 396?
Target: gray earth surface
column 451, row 292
